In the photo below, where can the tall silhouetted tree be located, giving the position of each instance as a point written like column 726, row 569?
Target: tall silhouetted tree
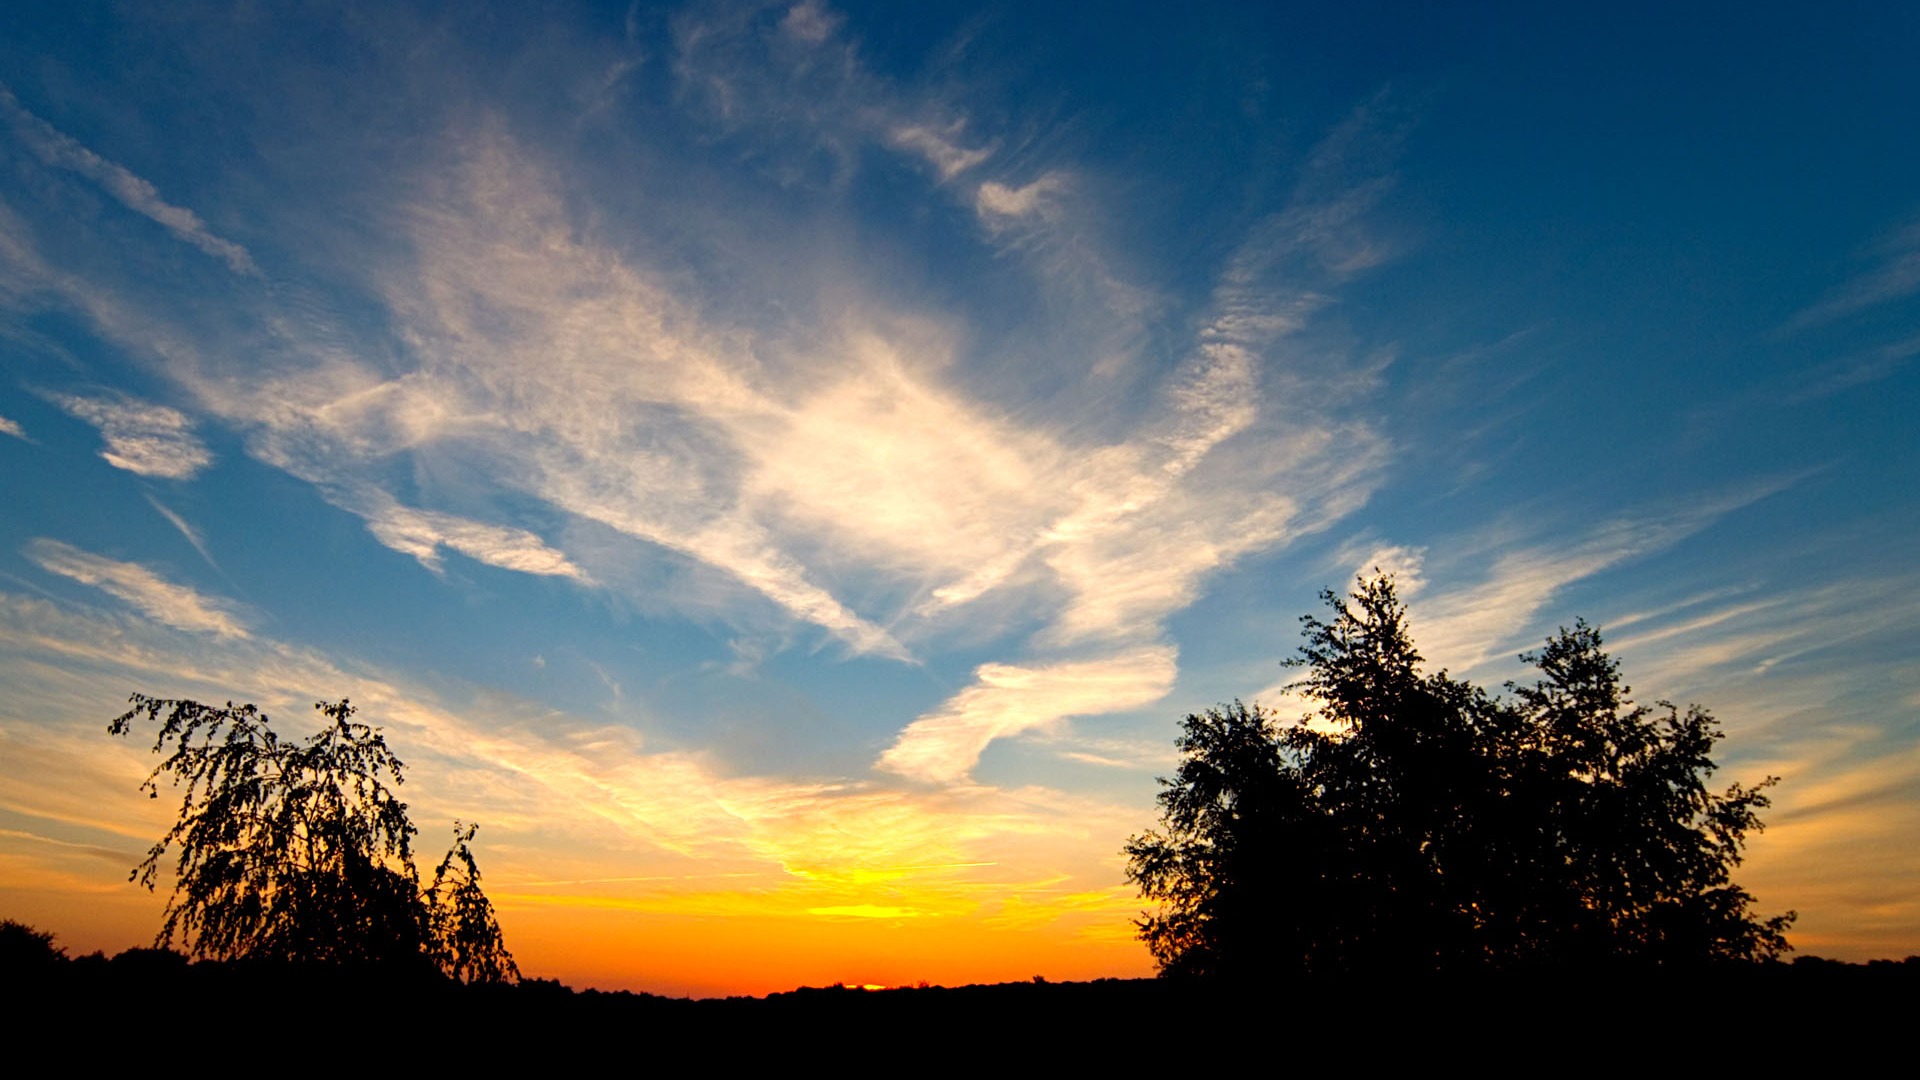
column 1412, row 823
column 301, row 852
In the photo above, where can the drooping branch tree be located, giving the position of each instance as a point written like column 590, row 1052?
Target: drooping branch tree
column 300, row 851
column 466, row 938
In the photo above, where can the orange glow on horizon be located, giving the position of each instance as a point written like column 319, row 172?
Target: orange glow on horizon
column 713, row 956
column 758, row 941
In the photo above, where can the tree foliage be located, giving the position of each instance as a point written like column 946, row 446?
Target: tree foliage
column 465, row 936
column 26, row 951
column 300, row 851
column 1413, row 823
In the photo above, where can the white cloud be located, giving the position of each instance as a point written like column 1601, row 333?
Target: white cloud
column 995, row 200
column 12, row 428
column 1461, row 626
column 1722, row 641
column 941, row 148
column 1406, row 565
column 811, row 22
column 63, row 152
column 1122, row 581
column 422, row 533
column 178, row 606
column 807, row 89
column 899, row 468
column 886, row 464
column 1470, row 620
column 623, row 421
column 143, row 438
column 1183, row 500
column 1007, row 700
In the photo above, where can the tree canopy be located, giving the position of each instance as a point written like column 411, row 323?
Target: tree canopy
column 300, row 851
column 1414, row 823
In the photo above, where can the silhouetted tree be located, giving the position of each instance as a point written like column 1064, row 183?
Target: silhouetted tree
column 1413, row 823
column 25, row 951
column 301, row 852
column 465, row 936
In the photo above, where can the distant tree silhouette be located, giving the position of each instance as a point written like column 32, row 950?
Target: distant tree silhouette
column 301, row 852
column 1413, row 823
column 25, row 951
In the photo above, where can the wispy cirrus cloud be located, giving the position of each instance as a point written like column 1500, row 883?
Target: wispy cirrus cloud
column 1479, row 607
column 422, row 533
column 942, row 149
column 996, row 201
column 1895, row 275
column 1859, row 369
column 1464, row 626
column 136, row 194
column 1007, row 700
column 12, row 427
column 1153, row 517
column 185, row 528
column 1723, row 639
column 628, row 422
column 141, row 437
column 810, row 21
column 163, row 601
column 804, row 81
column 841, row 462
column 1785, row 670
column 1469, row 622
column 872, row 454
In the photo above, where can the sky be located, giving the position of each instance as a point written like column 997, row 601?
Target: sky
column 786, row 469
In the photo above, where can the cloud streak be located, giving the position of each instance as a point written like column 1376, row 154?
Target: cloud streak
column 1465, row 626
column 996, row 201
column 141, row 437
column 64, row 152
column 1895, row 276
column 1007, row 700
column 941, row 149
column 423, row 533
column 178, row 606
column 185, row 529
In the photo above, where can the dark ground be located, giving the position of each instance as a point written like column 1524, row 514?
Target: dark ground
column 156, row 1005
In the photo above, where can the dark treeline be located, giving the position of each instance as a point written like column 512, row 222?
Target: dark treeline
column 368, row 1009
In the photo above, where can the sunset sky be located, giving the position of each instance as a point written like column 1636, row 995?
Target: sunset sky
column 785, row 470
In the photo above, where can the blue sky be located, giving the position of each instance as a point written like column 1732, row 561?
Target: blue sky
column 791, row 466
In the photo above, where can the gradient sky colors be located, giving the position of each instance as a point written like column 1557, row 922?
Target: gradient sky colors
column 785, row 469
